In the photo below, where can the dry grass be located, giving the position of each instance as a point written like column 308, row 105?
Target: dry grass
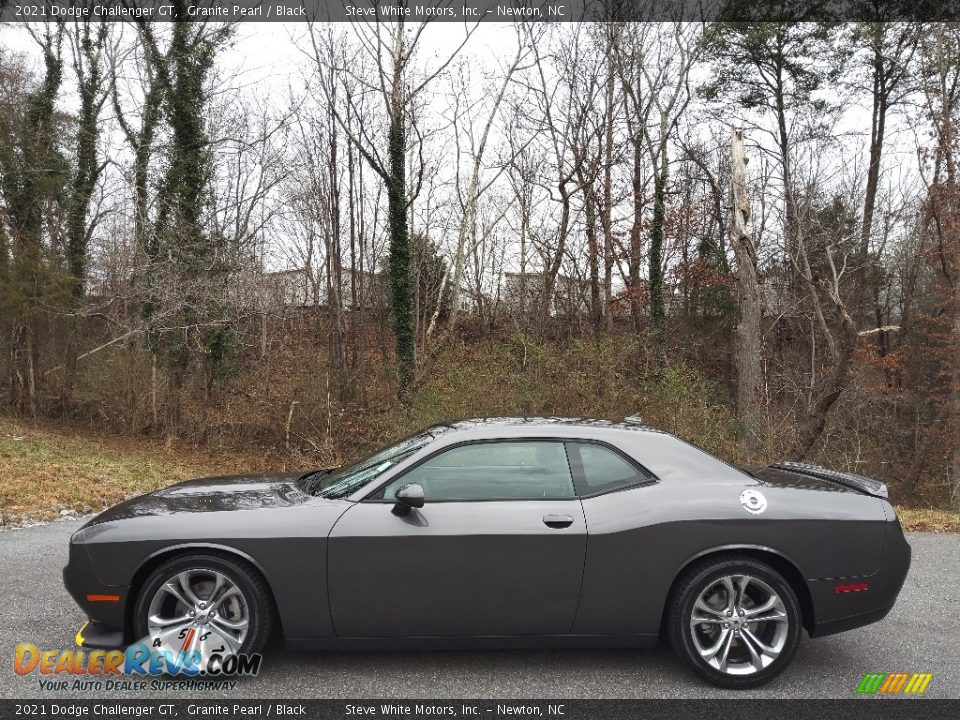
column 938, row 521
column 47, row 467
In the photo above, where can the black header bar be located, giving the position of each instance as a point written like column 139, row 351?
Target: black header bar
column 472, row 11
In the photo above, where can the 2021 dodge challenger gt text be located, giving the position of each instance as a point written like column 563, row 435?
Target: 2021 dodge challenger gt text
column 501, row 532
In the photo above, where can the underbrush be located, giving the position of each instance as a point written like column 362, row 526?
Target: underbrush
column 287, row 408
column 580, row 379
column 50, row 469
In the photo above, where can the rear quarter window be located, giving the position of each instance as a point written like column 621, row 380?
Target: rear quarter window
column 603, row 469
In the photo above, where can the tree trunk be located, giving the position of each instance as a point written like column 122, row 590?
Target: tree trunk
column 784, row 146
column 401, row 290
column 335, row 257
column 596, row 306
column 657, row 312
column 608, row 187
column 556, row 262
column 955, row 403
column 878, row 120
column 748, row 337
column 636, row 241
column 811, row 430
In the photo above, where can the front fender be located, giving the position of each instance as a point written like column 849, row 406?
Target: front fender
column 287, row 545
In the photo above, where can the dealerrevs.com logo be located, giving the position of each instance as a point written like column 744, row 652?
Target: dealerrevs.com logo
column 138, row 659
column 897, row 683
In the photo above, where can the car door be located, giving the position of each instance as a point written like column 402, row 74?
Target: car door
column 497, row 548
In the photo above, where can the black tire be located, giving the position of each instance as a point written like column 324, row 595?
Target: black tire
column 248, row 580
column 699, row 579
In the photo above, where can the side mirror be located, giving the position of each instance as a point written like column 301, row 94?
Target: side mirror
column 407, row 497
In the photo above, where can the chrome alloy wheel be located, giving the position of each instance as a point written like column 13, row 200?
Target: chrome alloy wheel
column 198, row 611
column 739, row 625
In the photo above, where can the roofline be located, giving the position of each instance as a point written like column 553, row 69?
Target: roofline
column 536, row 421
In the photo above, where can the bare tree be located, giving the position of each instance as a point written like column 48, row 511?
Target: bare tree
column 656, row 76
column 392, row 49
column 474, row 184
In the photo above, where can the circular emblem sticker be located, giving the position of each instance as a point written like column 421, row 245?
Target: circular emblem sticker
column 753, row 501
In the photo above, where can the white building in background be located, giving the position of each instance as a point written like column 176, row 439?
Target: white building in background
column 301, row 287
column 523, row 293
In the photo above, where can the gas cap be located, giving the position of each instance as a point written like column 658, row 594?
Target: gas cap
column 753, row 501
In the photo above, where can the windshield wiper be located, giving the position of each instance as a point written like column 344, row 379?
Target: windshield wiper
column 307, row 483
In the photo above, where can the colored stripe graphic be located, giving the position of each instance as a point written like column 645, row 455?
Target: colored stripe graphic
column 894, row 683
column 871, row 682
column 919, row 682
column 897, row 686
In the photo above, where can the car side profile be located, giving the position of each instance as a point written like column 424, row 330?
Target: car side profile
column 509, row 532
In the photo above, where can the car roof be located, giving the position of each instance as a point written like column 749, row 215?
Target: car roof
column 523, row 426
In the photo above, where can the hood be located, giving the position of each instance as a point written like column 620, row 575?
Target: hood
column 213, row 494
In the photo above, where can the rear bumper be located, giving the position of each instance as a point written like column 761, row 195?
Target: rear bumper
column 831, row 627
column 839, row 611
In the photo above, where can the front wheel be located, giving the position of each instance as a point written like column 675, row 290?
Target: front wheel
column 736, row 622
column 204, row 605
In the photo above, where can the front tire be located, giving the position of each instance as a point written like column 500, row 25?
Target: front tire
column 735, row 621
column 206, row 602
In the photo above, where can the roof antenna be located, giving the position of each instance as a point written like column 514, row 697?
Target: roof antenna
column 634, row 419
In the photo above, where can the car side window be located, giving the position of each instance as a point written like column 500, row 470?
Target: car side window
column 502, row 470
column 603, row 469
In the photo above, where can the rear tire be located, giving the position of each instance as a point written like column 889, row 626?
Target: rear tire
column 734, row 621
column 230, row 590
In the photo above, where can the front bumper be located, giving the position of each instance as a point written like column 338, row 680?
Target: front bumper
column 105, row 605
column 839, row 611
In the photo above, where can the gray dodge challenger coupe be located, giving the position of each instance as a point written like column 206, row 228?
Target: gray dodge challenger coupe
column 501, row 532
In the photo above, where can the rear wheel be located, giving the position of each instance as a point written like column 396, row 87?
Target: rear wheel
column 735, row 621
column 209, row 604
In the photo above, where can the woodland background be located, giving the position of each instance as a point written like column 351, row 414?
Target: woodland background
column 746, row 234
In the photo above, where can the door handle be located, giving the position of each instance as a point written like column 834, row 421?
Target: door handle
column 558, row 521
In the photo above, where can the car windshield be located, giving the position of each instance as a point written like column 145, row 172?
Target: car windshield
column 342, row 482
